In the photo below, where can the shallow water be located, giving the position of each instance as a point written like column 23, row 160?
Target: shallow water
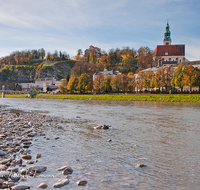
column 163, row 136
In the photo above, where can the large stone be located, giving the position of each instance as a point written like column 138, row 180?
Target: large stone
column 27, row 157
column 13, row 169
column 37, row 169
column 64, row 181
column 20, row 187
column 42, row 186
column 62, row 168
column 4, row 174
column 38, row 155
column 81, row 182
column 68, row 171
column 58, row 185
column 2, row 153
column 5, row 161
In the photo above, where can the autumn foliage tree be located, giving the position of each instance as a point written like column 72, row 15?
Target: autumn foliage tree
column 98, row 82
column 73, row 84
column 85, row 83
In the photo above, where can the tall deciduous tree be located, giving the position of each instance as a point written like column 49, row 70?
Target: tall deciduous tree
column 116, row 83
column 72, row 84
column 63, row 86
column 107, row 84
column 85, row 83
column 98, row 82
column 178, row 79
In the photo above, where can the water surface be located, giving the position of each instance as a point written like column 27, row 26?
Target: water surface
column 162, row 135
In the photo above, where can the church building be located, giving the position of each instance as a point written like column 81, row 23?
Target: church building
column 168, row 54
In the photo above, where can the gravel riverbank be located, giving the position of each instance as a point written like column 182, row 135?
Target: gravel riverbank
column 19, row 131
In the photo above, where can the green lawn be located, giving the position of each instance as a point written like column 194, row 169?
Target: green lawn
column 135, row 97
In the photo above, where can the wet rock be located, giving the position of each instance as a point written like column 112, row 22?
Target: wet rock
column 56, row 138
column 27, row 157
column 30, row 162
column 81, row 182
column 58, row 185
column 109, row 140
column 62, row 168
column 67, row 171
column 3, row 168
column 42, row 186
column 20, row 187
column 1, row 181
column 15, row 178
column 4, row 174
column 23, row 171
column 37, row 169
column 9, row 184
column 105, row 127
column 98, row 127
column 64, row 181
column 38, row 155
column 2, row 153
column 13, row 169
column 140, row 165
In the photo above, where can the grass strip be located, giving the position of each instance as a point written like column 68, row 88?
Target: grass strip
column 120, row 97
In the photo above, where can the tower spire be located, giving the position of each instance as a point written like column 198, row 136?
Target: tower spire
column 167, row 39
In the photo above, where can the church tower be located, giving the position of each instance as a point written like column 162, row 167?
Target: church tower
column 167, row 39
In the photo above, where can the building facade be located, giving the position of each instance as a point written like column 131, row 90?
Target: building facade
column 105, row 73
column 168, row 54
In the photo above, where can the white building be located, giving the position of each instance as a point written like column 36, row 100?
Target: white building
column 106, row 73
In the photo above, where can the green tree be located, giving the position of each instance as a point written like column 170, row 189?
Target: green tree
column 42, row 53
column 116, row 83
column 63, row 86
column 178, row 78
column 72, row 84
column 106, row 84
column 85, row 83
column 148, row 77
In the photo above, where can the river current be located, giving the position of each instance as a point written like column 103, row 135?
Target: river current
column 163, row 136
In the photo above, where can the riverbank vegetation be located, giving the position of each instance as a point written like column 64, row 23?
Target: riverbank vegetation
column 120, row 97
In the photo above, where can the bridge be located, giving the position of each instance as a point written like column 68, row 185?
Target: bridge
column 13, row 91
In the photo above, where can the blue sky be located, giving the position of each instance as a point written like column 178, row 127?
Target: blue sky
column 68, row 25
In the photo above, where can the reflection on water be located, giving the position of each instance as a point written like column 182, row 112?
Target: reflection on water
column 163, row 136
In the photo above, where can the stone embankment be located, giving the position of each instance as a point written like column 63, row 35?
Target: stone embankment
column 18, row 130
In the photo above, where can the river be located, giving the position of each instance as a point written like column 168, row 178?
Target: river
column 163, row 136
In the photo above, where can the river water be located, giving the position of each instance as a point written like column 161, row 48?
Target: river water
column 163, row 136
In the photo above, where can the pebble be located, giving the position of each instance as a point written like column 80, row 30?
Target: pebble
column 20, row 187
column 81, row 182
column 42, row 186
column 58, row 185
column 67, row 171
column 64, row 181
column 38, row 155
column 37, row 169
column 2, row 153
column 27, row 157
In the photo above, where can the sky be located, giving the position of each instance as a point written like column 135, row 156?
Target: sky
column 69, row 25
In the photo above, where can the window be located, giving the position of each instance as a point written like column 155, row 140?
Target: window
column 166, row 60
column 180, row 60
column 166, row 53
column 173, row 59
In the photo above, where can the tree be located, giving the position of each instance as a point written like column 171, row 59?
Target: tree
column 178, row 79
column 131, row 83
column 148, row 78
column 158, row 78
column 42, row 53
column 140, row 81
column 63, row 86
column 106, row 84
column 72, row 84
column 116, row 83
column 79, row 52
column 85, row 83
column 167, row 77
column 98, row 82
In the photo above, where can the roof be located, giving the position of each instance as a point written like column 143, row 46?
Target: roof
column 169, row 62
column 171, row 50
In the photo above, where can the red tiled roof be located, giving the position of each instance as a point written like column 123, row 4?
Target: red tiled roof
column 172, row 50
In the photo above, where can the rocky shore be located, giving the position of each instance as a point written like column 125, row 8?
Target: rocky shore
column 19, row 130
